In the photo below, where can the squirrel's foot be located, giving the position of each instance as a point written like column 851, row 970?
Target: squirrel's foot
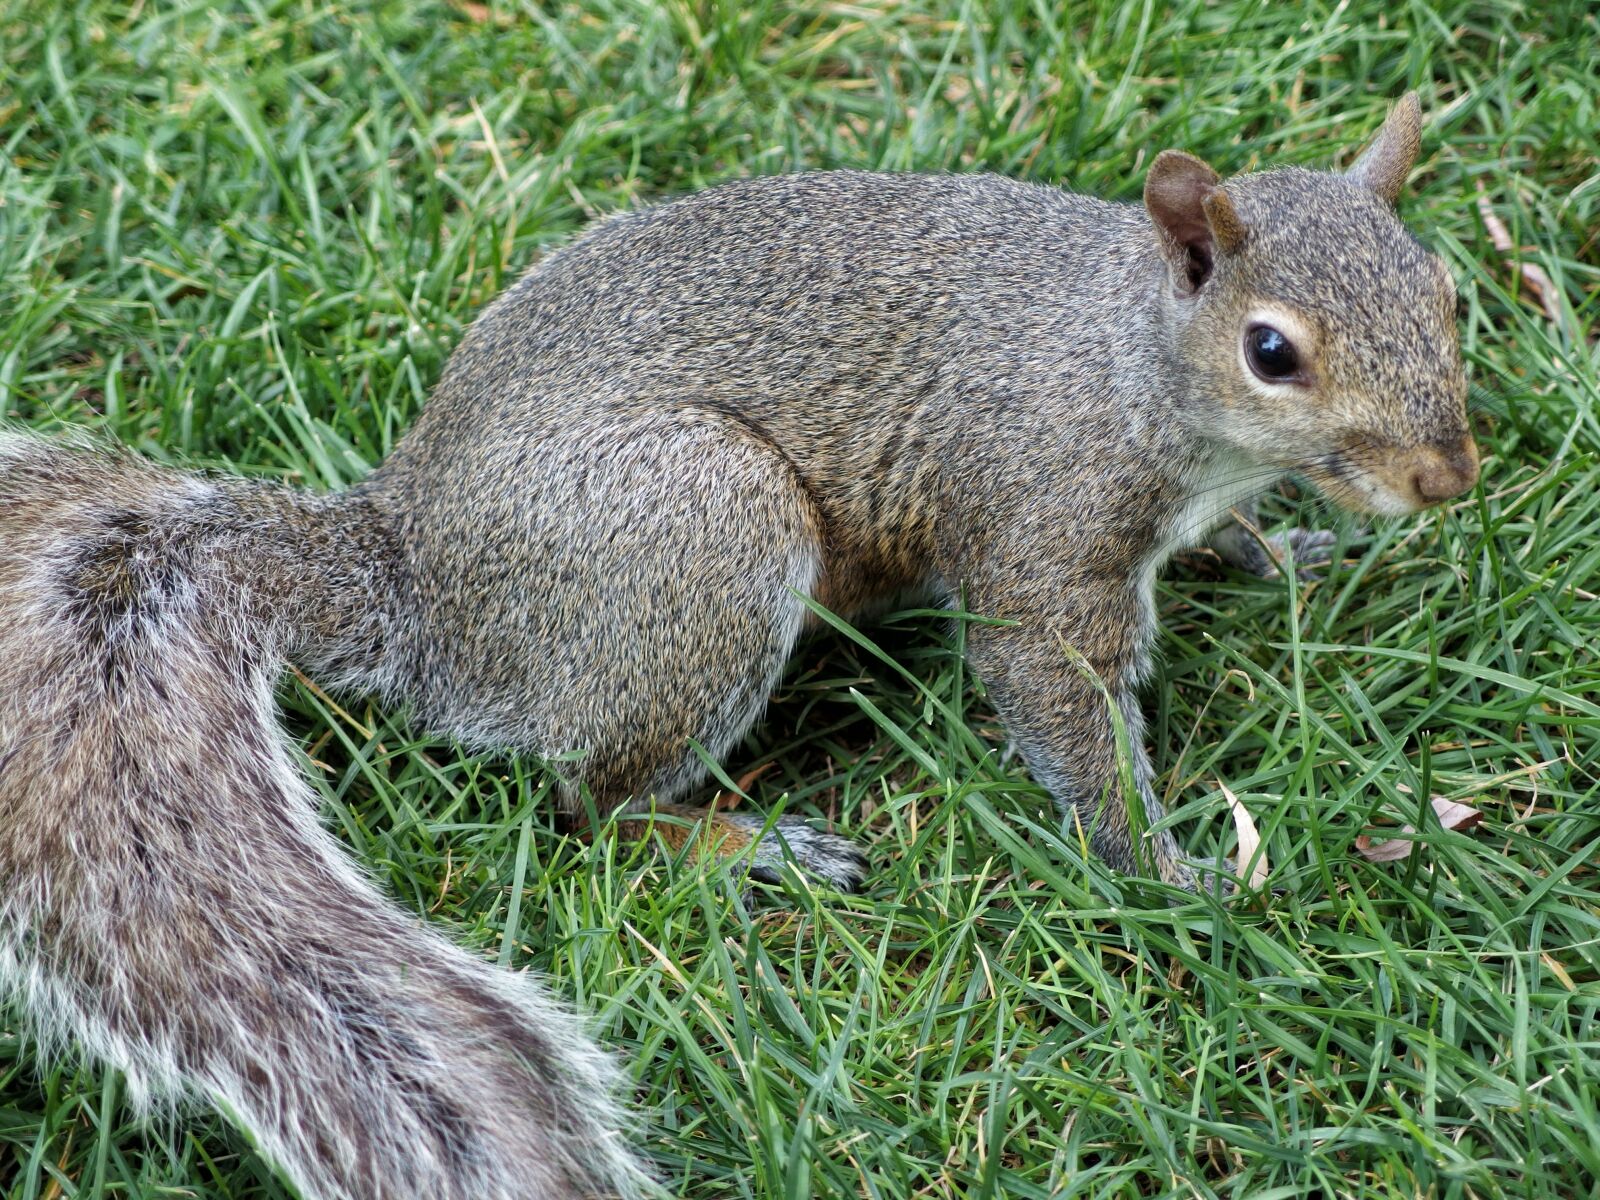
column 1227, row 881
column 1221, row 879
column 788, row 843
column 1310, row 549
column 791, row 842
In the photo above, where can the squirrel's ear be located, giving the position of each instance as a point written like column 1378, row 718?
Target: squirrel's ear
column 1193, row 216
column 1384, row 165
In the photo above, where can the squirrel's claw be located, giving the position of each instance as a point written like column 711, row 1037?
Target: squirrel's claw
column 792, row 843
column 1230, row 880
column 1311, row 550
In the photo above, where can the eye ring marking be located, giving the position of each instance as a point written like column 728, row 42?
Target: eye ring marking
column 1271, row 356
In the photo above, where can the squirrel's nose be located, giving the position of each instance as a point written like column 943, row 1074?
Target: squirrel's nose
column 1446, row 471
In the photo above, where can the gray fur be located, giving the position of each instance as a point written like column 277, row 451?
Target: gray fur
column 171, row 901
column 1241, row 545
column 831, row 858
column 843, row 385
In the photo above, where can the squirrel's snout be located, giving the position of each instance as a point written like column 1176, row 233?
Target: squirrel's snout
column 1441, row 472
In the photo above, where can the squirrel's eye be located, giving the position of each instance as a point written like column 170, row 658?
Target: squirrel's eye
column 1270, row 354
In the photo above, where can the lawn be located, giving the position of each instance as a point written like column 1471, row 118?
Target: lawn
column 245, row 236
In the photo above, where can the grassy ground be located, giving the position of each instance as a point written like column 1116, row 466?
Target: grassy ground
column 246, row 235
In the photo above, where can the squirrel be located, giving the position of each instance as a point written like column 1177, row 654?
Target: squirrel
column 599, row 536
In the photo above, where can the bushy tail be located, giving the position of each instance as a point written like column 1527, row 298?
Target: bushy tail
column 167, row 896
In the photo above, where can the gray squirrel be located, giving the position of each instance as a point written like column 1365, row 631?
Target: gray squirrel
column 844, row 386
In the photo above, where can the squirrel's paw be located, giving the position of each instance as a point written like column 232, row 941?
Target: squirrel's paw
column 1310, row 548
column 1228, row 882
column 791, row 843
column 1220, row 879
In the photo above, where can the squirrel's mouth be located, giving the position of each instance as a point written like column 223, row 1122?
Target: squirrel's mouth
column 1386, row 479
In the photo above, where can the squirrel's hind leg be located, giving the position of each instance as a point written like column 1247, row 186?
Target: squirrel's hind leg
column 709, row 561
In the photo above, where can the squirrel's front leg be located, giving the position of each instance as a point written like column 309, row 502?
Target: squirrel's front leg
column 1242, row 548
column 1038, row 674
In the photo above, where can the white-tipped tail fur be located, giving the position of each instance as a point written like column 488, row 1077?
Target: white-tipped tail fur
column 168, row 899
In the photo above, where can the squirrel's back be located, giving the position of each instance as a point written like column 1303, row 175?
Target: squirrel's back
column 793, row 296
column 869, row 330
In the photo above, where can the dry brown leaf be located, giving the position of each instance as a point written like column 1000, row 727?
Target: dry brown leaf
column 1249, row 841
column 1452, row 815
column 1540, row 284
column 1558, row 971
column 727, row 801
column 481, row 14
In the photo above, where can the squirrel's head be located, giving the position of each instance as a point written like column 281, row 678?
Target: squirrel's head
column 1318, row 334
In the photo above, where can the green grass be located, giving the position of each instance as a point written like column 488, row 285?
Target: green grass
column 246, row 235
